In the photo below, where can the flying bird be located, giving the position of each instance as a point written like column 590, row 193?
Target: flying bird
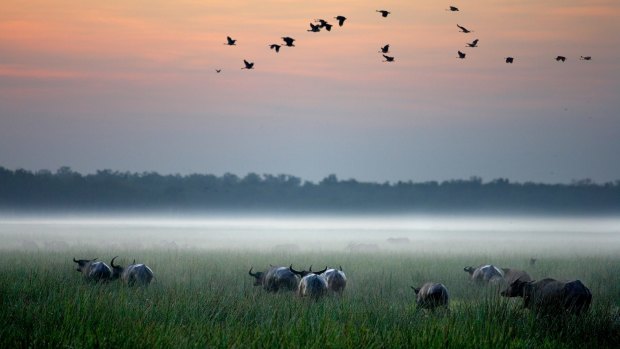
column 322, row 22
column 461, row 55
column 275, row 47
column 314, row 28
column 384, row 13
column 385, row 49
column 388, row 58
column 473, row 43
column 218, row 70
column 341, row 20
column 288, row 41
column 463, row 29
column 328, row 27
column 510, row 60
column 586, row 58
column 560, row 59
column 230, row 41
column 452, row 8
column 248, row 65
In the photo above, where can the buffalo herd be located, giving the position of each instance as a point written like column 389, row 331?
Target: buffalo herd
column 97, row 271
column 546, row 295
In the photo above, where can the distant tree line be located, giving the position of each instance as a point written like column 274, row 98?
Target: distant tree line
column 108, row 190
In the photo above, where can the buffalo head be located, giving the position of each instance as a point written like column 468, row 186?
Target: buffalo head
column 258, row 276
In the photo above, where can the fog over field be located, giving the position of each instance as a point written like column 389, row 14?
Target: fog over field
column 537, row 236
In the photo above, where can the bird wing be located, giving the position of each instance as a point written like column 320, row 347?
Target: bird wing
column 475, row 42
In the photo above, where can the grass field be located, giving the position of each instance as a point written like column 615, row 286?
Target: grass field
column 205, row 298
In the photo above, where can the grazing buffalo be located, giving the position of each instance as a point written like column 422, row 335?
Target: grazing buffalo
column 431, row 295
column 485, row 273
column 312, row 283
column 275, row 279
column 134, row 273
column 93, row 270
column 512, row 275
column 336, row 280
column 549, row 295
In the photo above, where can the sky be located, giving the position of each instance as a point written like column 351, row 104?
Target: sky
column 131, row 85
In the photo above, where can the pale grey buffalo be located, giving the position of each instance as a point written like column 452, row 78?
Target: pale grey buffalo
column 485, row 273
column 275, row 279
column 336, row 280
column 511, row 275
column 133, row 274
column 92, row 270
column 550, row 295
column 431, row 295
column 312, row 284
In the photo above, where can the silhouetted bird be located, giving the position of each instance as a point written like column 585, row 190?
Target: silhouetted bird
column 314, row 28
column 248, row 65
column 288, row 41
column 510, row 60
column 328, row 27
column 586, row 58
column 560, row 59
column 230, row 41
column 461, row 55
column 384, row 13
column 473, row 43
column 341, row 20
column 452, row 8
column 463, row 29
column 322, row 22
column 388, row 58
column 275, row 47
column 218, row 70
column 385, row 49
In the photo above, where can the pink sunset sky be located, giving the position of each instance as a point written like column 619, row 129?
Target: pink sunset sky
column 131, row 86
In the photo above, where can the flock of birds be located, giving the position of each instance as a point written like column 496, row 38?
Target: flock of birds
column 320, row 24
column 288, row 41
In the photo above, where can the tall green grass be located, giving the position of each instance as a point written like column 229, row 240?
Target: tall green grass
column 206, row 299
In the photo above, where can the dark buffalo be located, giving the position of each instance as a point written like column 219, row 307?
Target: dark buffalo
column 485, row 273
column 133, row 274
column 312, row 283
column 550, row 295
column 431, row 295
column 93, row 270
column 275, row 279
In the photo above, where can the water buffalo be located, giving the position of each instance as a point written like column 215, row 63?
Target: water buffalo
column 550, row 295
column 275, row 279
column 133, row 274
column 336, row 280
column 312, row 283
column 485, row 273
column 512, row 275
column 431, row 295
column 93, row 270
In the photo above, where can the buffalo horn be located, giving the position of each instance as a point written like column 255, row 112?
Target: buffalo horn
column 319, row 272
column 112, row 262
column 250, row 272
column 295, row 271
column 75, row 260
